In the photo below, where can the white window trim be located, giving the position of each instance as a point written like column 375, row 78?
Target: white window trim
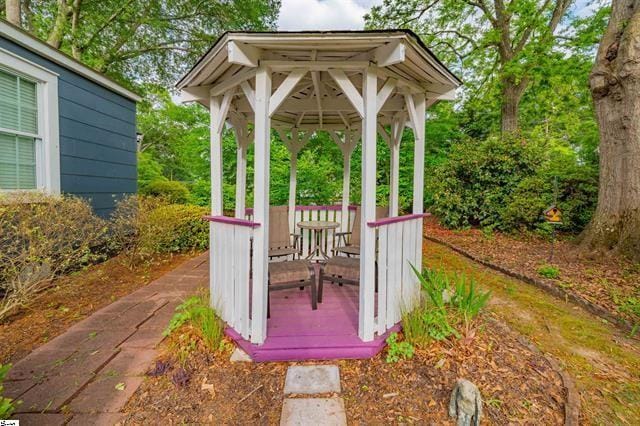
column 48, row 141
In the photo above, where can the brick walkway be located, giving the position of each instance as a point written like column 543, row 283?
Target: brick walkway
column 77, row 377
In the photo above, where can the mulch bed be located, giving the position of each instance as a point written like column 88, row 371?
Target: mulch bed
column 603, row 281
column 73, row 298
column 518, row 386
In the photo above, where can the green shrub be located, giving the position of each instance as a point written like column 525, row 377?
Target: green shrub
column 42, row 237
column 7, row 406
column 506, row 183
column 173, row 228
column 451, row 304
column 398, row 350
column 197, row 312
column 173, row 191
column 549, row 271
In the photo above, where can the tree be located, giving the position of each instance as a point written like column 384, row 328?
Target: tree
column 12, row 11
column 516, row 34
column 152, row 41
column 615, row 85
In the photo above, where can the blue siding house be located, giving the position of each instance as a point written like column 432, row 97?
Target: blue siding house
column 64, row 128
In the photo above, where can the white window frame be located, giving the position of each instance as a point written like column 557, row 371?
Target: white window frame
column 48, row 139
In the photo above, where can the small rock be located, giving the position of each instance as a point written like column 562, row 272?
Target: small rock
column 239, row 355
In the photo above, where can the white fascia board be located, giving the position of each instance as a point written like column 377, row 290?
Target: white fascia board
column 27, row 41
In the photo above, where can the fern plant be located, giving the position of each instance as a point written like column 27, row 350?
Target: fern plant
column 7, row 406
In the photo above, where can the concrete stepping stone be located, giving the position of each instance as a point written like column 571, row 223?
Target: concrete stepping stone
column 313, row 411
column 312, row 379
column 239, row 355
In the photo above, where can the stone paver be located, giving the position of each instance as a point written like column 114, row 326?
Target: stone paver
column 313, row 411
column 91, row 370
column 38, row 419
column 239, row 355
column 101, row 419
column 312, row 379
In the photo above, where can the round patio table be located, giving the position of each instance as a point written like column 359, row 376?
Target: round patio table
column 317, row 227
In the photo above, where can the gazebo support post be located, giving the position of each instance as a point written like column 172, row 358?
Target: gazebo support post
column 416, row 106
column 367, row 233
column 218, row 108
column 243, row 139
column 294, row 145
column 397, row 127
column 262, row 137
column 346, row 144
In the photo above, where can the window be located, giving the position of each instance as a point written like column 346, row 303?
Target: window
column 18, row 132
column 29, row 150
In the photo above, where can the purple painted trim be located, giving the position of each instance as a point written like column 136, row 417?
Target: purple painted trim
column 334, row 207
column 390, row 220
column 232, row 221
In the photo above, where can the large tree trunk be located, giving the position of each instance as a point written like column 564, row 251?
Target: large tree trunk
column 509, row 110
column 615, row 86
column 12, row 10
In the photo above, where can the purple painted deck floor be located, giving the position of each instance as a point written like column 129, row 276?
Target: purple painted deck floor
column 295, row 332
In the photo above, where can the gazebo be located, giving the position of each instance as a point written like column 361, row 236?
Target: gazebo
column 355, row 85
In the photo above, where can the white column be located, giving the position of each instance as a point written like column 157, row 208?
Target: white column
column 241, row 180
column 292, row 189
column 262, row 138
column 418, row 119
column 215, row 107
column 394, row 182
column 346, row 186
column 367, row 234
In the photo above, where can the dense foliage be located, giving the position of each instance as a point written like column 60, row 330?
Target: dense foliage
column 507, row 183
column 44, row 236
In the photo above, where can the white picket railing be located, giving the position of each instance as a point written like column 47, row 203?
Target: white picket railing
column 230, row 268
column 399, row 241
column 331, row 213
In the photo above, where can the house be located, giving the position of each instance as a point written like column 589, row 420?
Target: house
column 355, row 86
column 64, row 128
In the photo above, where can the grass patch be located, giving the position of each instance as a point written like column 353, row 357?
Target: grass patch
column 549, row 271
column 7, row 405
column 196, row 313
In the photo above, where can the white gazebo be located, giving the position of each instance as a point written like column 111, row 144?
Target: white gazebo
column 355, row 85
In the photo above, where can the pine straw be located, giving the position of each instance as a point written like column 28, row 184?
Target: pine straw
column 518, row 386
column 603, row 281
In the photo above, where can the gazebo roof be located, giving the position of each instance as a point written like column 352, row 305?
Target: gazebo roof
column 319, row 67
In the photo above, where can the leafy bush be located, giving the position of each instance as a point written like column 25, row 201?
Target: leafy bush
column 173, row 228
column 42, row 237
column 144, row 226
column 506, row 183
column 398, row 350
column 451, row 303
column 7, row 406
column 196, row 311
column 549, row 271
column 173, row 191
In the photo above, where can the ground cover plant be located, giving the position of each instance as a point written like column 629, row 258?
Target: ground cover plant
column 7, row 405
column 448, row 307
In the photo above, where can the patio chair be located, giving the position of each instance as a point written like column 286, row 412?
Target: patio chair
column 291, row 274
column 279, row 237
column 351, row 247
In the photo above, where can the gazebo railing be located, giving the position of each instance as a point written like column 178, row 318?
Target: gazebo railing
column 230, row 253
column 399, row 245
column 326, row 213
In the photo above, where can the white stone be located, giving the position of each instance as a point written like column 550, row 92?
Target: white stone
column 239, row 355
column 312, row 379
column 313, row 411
